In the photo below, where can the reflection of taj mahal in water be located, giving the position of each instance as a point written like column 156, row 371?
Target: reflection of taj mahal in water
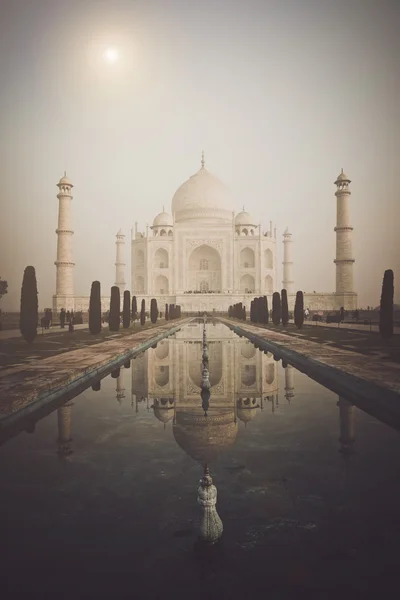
column 243, row 380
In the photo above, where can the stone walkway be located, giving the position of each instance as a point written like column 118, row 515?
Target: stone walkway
column 24, row 385
column 7, row 334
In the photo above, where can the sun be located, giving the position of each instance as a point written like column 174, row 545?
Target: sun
column 110, row 55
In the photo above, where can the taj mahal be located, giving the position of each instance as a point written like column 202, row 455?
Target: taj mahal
column 205, row 256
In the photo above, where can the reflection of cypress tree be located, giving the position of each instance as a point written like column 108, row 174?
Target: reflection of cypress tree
column 276, row 308
column 285, row 308
column 115, row 374
column 95, row 308
column 127, row 364
column 143, row 313
column 299, row 310
column 29, row 305
column 115, row 308
column 126, row 311
column 386, row 307
column 96, row 386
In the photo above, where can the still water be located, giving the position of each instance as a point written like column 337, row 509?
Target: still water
column 100, row 501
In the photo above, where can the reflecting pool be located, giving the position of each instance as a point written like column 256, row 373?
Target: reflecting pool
column 100, row 500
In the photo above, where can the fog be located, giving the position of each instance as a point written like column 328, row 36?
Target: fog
column 280, row 95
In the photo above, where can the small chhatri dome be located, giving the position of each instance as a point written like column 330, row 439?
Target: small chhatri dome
column 120, row 232
column 244, row 218
column 342, row 177
column 64, row 180
column 163, row 220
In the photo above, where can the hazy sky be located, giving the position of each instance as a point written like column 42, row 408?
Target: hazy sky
column 280, row 94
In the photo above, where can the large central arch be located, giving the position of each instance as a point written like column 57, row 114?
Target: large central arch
column 204, row 270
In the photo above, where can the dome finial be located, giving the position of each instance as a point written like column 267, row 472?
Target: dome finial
column 243, row 207
column 202, row 159
column 163, row 209
column 65, row 173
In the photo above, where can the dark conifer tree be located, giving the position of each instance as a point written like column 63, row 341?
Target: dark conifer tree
column 143, row 313
column 285, row 308
column 115, row 309
column 134, row 308
column 153, row 310
column 166, row 312
column 126, row 310
column 252, row 312
column 28, row 318
column 265, row 311
column 276, row 308
column 386, row 306
column 299, row 310
column 95, row 308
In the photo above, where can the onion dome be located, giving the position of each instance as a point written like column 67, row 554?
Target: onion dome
column 244, row 218
column 163, row 220
column 202, row 196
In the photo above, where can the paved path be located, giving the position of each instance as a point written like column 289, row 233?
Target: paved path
column 355, row 326
column 7, row 334
column 21, row 386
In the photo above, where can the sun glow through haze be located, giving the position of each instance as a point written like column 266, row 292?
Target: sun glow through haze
column 111, row 56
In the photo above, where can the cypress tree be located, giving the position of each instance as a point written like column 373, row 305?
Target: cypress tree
column 143, row 313
column 386, row 306
column 265, row 311
column 276, row 308
column 134, row 308
column 166, row 312
column 126, row 311
column 252, row 319
column 95, row 308
column 28, row 318
column 153, row 310
column 285, row 308
column 244, row 313
column 115, row 308
column 299, row 310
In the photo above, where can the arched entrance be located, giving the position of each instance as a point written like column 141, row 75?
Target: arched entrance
column 204, row 270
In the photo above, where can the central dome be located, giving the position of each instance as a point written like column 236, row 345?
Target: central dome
column 202, row 196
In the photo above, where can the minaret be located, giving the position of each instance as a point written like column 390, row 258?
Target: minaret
column 287, row 282
column 289, row 382
column 344, row 254
column 64, row 296
column 347, row 439
column 120, row 390
column 119, row 263
column 64, row 429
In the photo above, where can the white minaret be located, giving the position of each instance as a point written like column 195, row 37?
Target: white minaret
column 289, row 382
column 287, row 281
column 344, row 254
column 119, row 263
column 120, row 389
column 64, row 297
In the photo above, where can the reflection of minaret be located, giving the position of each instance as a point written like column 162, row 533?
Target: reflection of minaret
column 120, row 389
column 347, row 439
column 64, row 429
column 211, row 527
column 289, row 382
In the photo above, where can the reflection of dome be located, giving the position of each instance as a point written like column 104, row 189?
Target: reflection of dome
column 163, row 409
column 246, row 414
column 244, row 218
column 204, row 438
column 163, row 220
column 247, row 409
column 202, row 196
